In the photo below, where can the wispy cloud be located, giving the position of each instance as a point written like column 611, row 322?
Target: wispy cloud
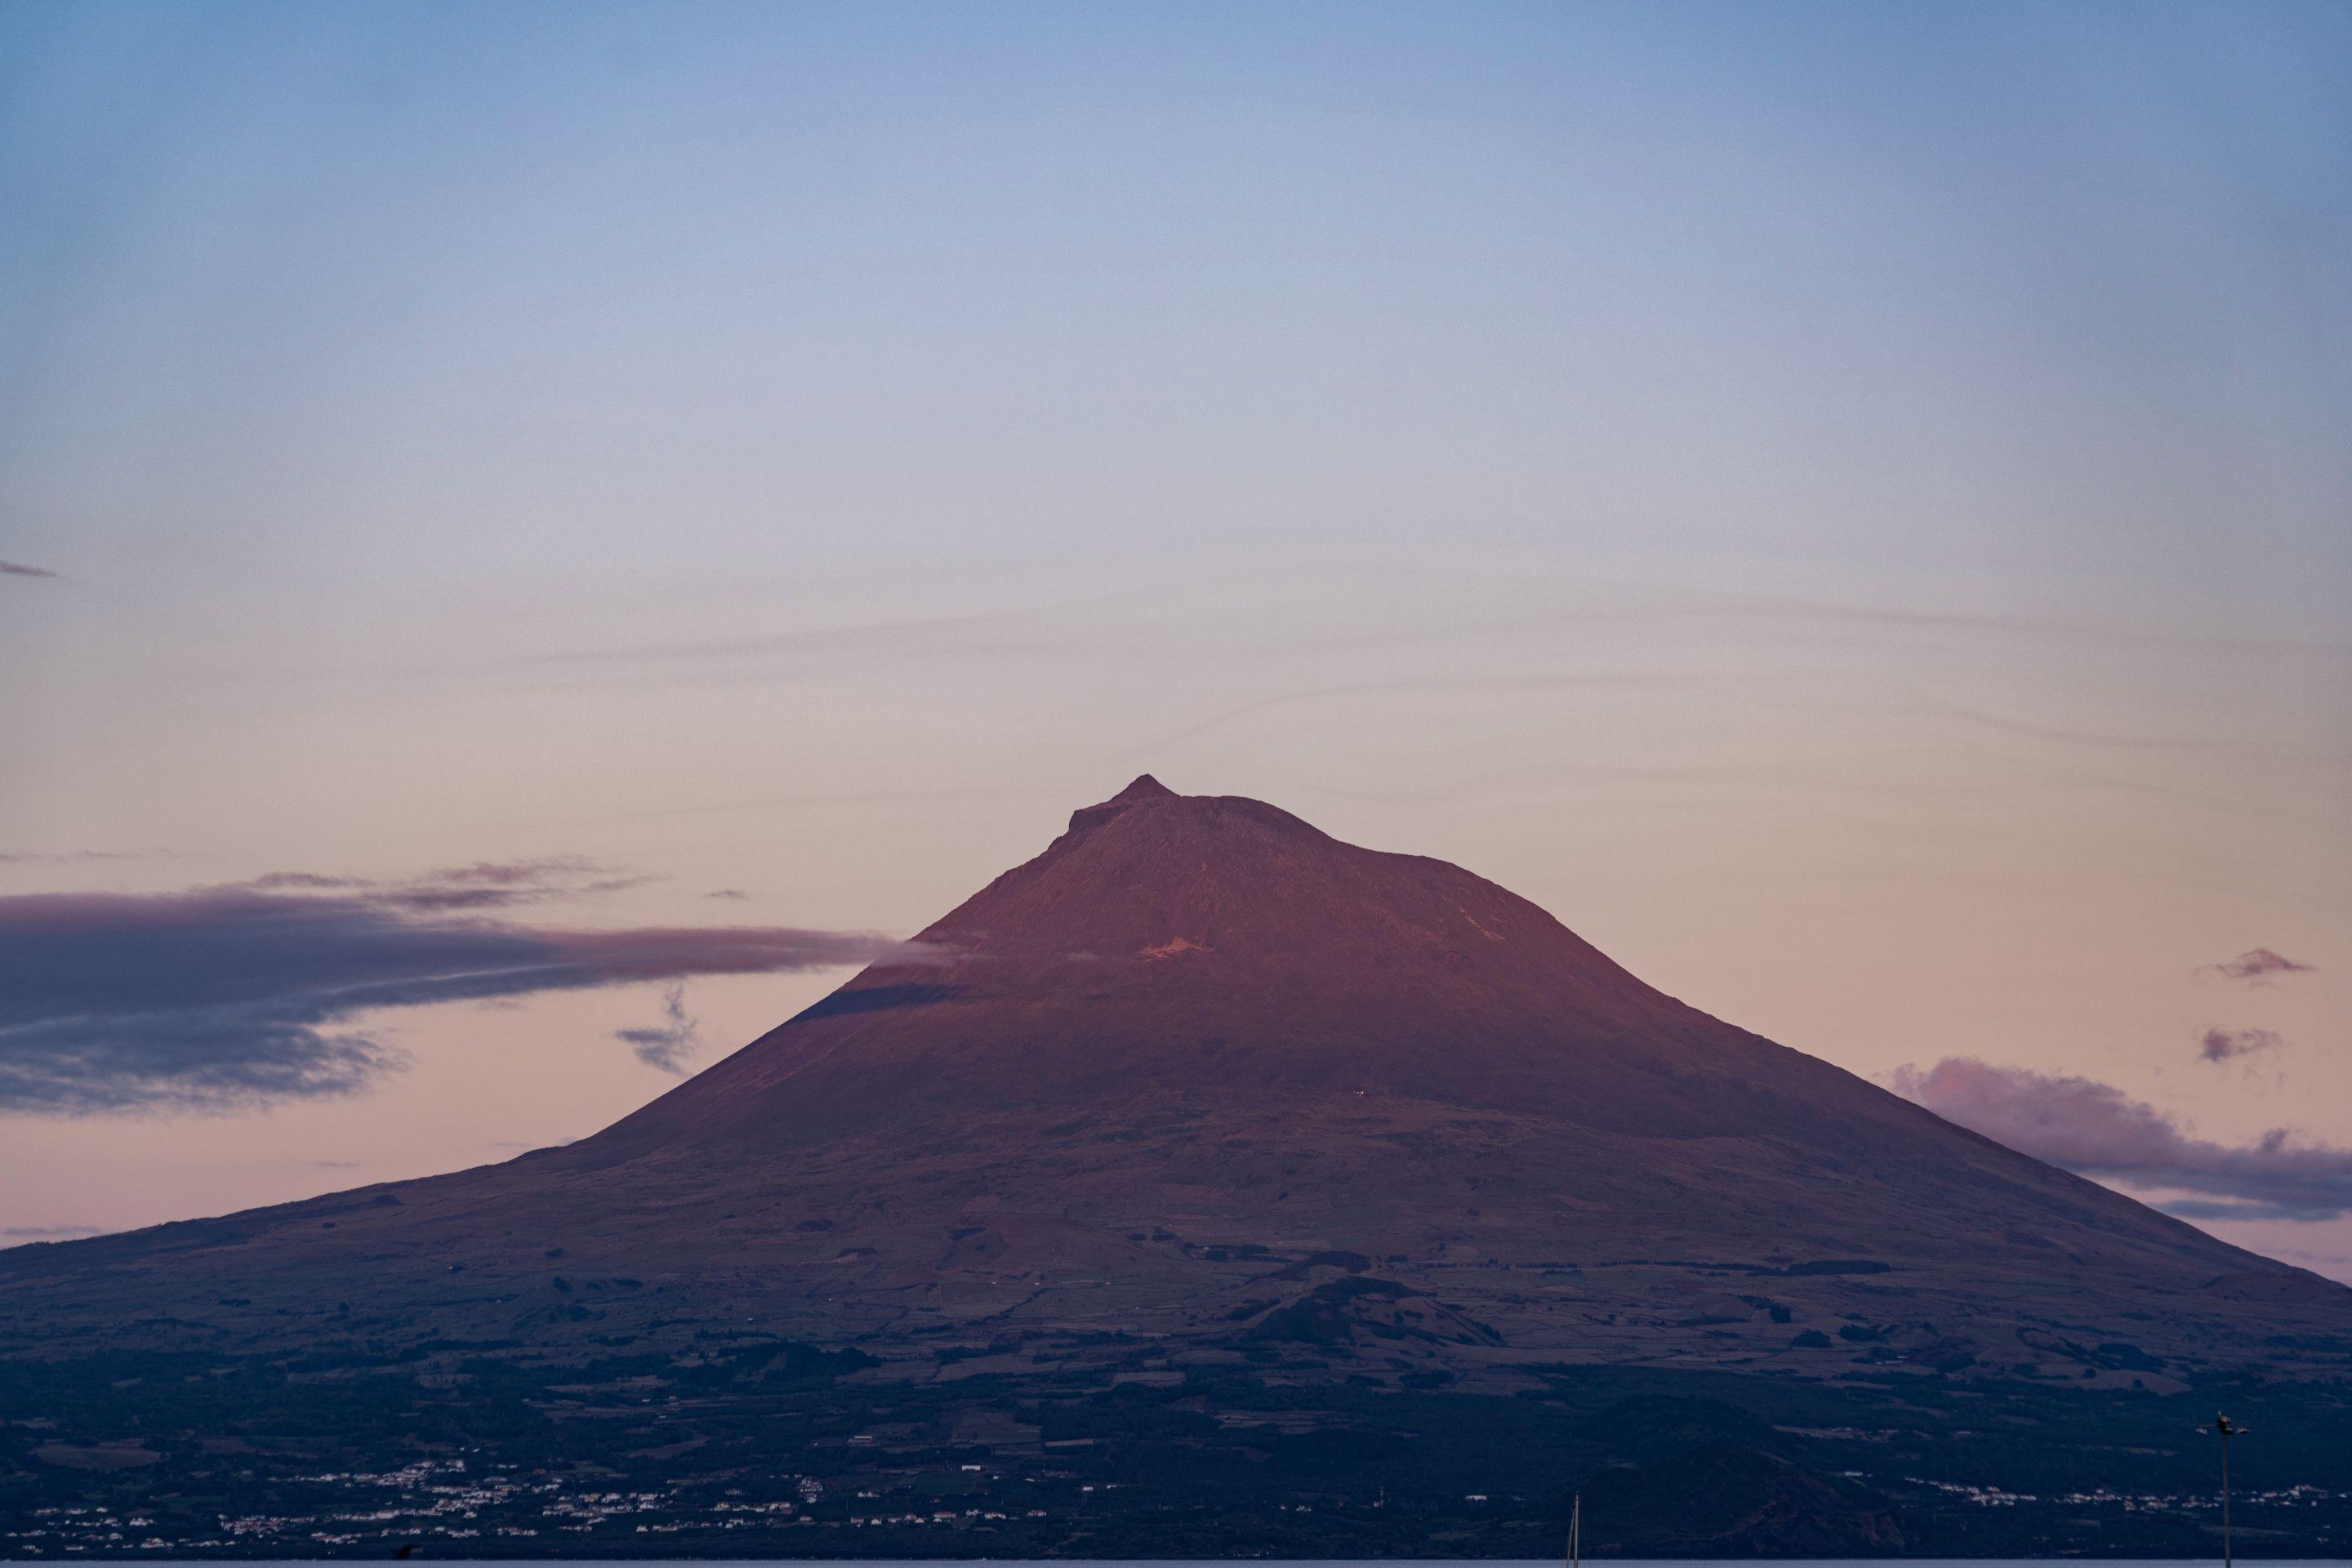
column 19, row 569
column 2256, row 964
column 672, row 1045
column 2007, row 627
column 220, row 997
column 1015, row 633
column 733, row 894
column 2096, row 1130
column 52, row 1232
column 484, row 885
column 2229, row 1044
column 1479, row 685
column 65, row 857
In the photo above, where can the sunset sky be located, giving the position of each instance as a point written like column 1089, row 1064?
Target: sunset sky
column 531, row 536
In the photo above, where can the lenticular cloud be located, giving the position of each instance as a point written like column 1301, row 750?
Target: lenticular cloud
column 219, row 996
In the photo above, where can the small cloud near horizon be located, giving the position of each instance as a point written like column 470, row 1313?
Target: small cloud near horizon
column 2095, row 1130
column 735, row 894
column 2228, row 1045
column 2257, row 963
column 53, row 1232
column 19, row 569
column 672, row 1045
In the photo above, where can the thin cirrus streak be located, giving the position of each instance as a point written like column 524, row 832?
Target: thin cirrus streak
column 2051, row 628
column 68, row 856
column 1440, row 684
column 2109, row 741
column 1014, row 631
column 219, row 996
column 2096, row 1129
column 482, row 885
column 51, row 1232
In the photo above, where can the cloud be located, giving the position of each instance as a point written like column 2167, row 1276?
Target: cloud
column 52, row 1232
column 34, row 856
column 484, row 885
column 2096, row 1129
column 19, row 569
column 2108, row 741
column 2229, row 1044
column 2332, row 1263
column 2255, row 965
column 964, row 635
column 672, row 1045
column 221, row 996
column 734, row 895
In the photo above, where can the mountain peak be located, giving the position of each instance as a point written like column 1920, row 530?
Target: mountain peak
column 1145, row 787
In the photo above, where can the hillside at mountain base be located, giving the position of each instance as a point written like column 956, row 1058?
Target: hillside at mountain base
column 1200, row 1172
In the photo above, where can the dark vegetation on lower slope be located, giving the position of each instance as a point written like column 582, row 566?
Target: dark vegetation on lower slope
column 761, row 1448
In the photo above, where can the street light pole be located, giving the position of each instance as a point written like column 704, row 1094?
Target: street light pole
column 2223, row 1429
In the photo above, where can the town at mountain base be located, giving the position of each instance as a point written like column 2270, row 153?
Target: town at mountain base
column 1204, row 1184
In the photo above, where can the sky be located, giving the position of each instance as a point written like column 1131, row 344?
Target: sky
column 534, row 537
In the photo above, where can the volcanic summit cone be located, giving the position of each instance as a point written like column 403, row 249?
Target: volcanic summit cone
column 1202, row 1074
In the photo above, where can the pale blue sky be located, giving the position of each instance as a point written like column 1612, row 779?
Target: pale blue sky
column 1849, row 505
column 313, row 292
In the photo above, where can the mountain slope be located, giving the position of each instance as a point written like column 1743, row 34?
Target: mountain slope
column 1201, row 1070
column 1205, row 1185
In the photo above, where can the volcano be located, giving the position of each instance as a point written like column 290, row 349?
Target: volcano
column 1201, row 1086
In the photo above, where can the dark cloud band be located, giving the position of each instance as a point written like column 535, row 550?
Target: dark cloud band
column 2096, row 1129
column 227, row 995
